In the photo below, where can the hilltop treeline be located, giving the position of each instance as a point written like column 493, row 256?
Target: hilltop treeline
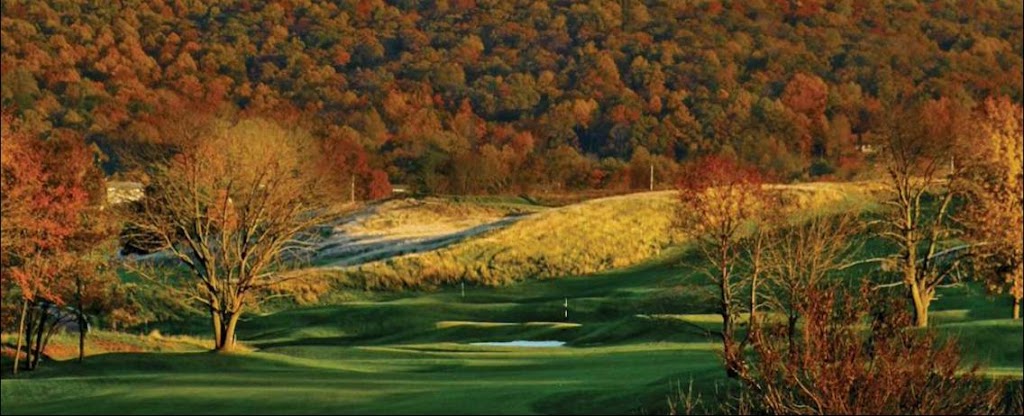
column 467, row 96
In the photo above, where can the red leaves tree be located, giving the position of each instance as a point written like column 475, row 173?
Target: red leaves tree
column 346, row 164
column 807, row 95
column 48, row 185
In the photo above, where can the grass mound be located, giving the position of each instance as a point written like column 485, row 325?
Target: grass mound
column 581, row 238
column 64, row 345
column 578, row 239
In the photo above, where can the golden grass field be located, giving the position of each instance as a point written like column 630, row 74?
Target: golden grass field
column 587, row 237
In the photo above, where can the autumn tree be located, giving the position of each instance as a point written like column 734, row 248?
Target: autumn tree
column 722, row 205
column 237, row 204
column 92, row 287
column 916, row 142
column 807, row 96
column 992, row 185
column 47, row 187
column 346, row 165
column 82, row 286
column 604, row 77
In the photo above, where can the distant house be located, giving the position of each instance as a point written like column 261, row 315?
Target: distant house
column 120, row 192
column 399, row 189
column 866, row 148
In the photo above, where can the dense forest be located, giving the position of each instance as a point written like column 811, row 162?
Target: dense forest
column 464, row 96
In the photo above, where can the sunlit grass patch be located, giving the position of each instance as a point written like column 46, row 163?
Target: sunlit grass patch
column 579, row 239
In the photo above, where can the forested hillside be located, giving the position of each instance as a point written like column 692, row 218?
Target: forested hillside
column 467, row 96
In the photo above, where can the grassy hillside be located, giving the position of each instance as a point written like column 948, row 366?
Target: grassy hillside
column 632, row 335
column 587, row 237
column 63, row 346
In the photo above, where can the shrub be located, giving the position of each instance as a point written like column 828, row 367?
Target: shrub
column 839, row 366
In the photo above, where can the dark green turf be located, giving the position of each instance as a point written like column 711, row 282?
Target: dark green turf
column 635, row 333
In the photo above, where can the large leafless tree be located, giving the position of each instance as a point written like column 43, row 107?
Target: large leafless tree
column 236, row 204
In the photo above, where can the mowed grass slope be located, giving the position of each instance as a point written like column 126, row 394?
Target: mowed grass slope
column 409, row 352
column 401, row 226
column 413, row 379
column 632, row 334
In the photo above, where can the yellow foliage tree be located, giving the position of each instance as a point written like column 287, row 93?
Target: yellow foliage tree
column 235, row 204
column 993, row 187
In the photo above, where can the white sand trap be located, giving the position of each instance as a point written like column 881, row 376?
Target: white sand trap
column 521, row 343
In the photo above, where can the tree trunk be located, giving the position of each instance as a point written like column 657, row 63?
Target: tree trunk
column 217, row 329
column 81, row 335
column 753, row 304
column 227, row 334
column 38, row 349
column 1016, row 308
column 652, row 176
column 352, row 189
column 81, row 319
column 791, row 327
column 30, row 330
column 921, row 299
column 921, row 302
column 21, row 335
column 729, row 349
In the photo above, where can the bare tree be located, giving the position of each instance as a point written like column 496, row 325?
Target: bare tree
column 918, row 142
column 237, row 205
column 804, row 258
column 723, row 205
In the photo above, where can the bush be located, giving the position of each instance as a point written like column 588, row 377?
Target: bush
column 837, row 366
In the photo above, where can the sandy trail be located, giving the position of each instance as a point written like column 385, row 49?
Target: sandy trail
column 344, row 249
column 402, row 227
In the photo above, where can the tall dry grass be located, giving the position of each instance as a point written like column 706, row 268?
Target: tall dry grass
column 578, row 239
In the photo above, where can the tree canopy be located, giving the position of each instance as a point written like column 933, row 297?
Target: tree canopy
column 507, row 92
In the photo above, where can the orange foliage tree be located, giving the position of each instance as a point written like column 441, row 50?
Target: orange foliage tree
column 346, row 164
column 993, row 187
column 48, row 185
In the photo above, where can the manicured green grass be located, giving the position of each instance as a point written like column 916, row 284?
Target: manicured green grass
column 399, row 353
column 425, row 378
column 409, row 353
